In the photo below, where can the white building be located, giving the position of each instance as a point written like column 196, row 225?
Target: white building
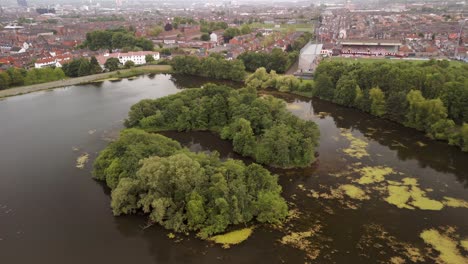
column 57, row 61
column 138, row 57
column 214, row 37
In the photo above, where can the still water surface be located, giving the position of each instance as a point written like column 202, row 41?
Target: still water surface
column 52, row 212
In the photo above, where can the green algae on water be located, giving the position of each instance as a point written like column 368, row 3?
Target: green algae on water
column 301, row 241
column 357, row 148
column 445, row 245
column 464, row 244
column 373, row 174
column 82, row 160
column 232, row 238
column 374, row 237
column 420, row 144
column 354, row 192
column 453, row 202
column 408, row 195
column 399, row 196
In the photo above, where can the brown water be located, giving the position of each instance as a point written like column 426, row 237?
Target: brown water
column 53, row 212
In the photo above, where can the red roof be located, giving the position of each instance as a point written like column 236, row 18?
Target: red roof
column 46, row 60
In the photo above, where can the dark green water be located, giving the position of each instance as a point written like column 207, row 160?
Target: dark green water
column 52, row 212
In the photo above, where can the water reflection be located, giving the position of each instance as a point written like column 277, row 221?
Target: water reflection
column 408, row 144
column 60, row 215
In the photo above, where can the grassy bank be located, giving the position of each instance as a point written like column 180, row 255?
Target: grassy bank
column 86, row 79
column 141, row 70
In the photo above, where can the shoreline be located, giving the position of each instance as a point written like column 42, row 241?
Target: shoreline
column 84, row 79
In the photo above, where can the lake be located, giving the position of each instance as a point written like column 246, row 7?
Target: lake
column 53, row 212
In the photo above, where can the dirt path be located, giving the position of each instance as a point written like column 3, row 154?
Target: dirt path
column 74, row 81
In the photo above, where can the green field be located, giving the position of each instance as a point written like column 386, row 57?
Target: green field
column 373, row 60
column 284, row 27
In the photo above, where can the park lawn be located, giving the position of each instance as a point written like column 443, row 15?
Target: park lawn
column 146, row 69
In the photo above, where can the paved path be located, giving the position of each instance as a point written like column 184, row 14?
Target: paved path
column 293, row 68
column 71, row 81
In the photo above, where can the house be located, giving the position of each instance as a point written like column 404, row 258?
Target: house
column 138, row 57
column 56, row 61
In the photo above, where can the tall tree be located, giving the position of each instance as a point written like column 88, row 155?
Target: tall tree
column 377, row 98
column 112, row 64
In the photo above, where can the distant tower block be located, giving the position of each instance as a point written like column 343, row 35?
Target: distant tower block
column 118, row 2
column 22, row 3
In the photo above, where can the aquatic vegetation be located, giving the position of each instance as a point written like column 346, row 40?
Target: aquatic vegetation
column 421, row 144
column 293, row 214
column 408, row 195
column 373, row 174
column 410, row 181
column 464, row 244
column 399, row 196
column 171, row 235
column 446, row 245
column 357, row 147
column 232, row 238
column 457, row 203
column 340, row 195
column 82, row 160
column 354, row 192
column 422, row 202
column 374, row 237
column 397, row 260
column 301, row 187
column 323, row 114
column 301, row 241
column 398, row 144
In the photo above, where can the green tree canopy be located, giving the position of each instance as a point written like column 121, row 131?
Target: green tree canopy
column 251, row 122
column 185, row 191
column 112, row 64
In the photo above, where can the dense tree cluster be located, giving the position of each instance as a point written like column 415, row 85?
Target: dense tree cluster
column 18, row 77
column 185, row 191
column 116, row 39
column 155, row 30
column 232, row 32
column 183, row 21
column 300, row 42
column 259, row 127
column 431, row 97
column 81, row 67
column 211, row 26
column 261, row 79
column 277, row 60
column 214, row 66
